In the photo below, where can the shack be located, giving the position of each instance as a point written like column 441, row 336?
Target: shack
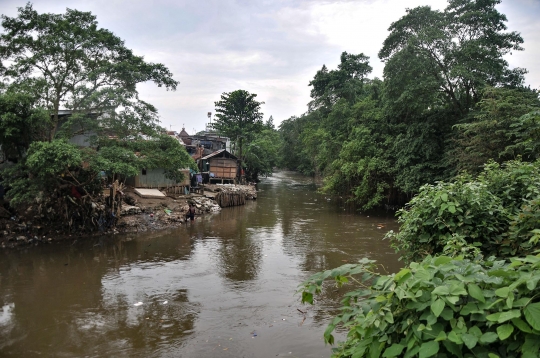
column 220, row 165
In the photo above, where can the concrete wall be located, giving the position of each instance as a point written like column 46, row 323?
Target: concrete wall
column 155, row 178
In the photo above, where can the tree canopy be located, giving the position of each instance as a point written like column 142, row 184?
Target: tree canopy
column 239, row 117
column 67, row 78
column 66, row 62
column 452, row 133
column 448, row 102
column 448, row 56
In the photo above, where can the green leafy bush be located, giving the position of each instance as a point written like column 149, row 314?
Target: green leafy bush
column 492, row 212
column 441, row 307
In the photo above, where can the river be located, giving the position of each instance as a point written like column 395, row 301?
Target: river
column 223, row 286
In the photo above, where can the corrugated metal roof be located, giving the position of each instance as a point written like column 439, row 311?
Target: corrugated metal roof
column 218, row 152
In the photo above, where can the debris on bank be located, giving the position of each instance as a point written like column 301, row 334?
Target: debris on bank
column 134, row 213
column 248, row 191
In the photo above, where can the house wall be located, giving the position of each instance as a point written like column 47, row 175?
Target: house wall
column 81, row 140
column 155, row 178
column 223, row 167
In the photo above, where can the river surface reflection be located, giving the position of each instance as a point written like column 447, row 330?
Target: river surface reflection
column 220, row 287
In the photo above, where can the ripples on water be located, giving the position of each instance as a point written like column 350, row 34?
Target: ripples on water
column 220, row 287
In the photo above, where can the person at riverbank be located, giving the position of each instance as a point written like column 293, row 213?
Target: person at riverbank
column 191, row 212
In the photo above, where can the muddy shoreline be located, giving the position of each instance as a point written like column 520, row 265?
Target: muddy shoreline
column 138, row 215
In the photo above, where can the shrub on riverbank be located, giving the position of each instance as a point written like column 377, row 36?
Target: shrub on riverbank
column 496, row 212
column 440, row 307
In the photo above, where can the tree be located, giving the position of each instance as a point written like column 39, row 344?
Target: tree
column 362, row 170
column 290, row 151
column 66, row 61
column 269, row 124
column 346, row 82
column 433, row 57
column 20, row 124
column 262, row 153
column 495, row 126
column 239, row 117
column 54, row 62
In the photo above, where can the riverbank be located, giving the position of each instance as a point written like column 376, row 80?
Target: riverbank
column 138, row 214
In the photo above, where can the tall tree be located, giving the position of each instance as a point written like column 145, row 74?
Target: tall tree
column 66, row 61
column 52, row 62
column 433, row 57
column 239, row 117
column 345, row 82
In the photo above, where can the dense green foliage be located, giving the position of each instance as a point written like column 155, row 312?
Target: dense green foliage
column 440, row 307
column 56, row 164
column 67, row 81
column 448, row 102
column 21, row 123
column 449, row 301
column 262, row 152
column 494, row 212
column 496, row 128
column 453, row 132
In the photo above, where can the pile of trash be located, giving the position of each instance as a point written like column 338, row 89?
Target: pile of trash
column 250, row 191
column 139, row 216
column 204, row 205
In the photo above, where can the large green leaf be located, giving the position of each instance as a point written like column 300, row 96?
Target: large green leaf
column 476, row 292
column 469, row 340
column 502, row 292
column 441, row 291
column 505, row 331
column 441, row 260
column 394, row 350
column 488, row 337
column 437, row 306
column 401, row 274
column 532, row 315
column 506, row 316
column 522, row 325
column 428, row 349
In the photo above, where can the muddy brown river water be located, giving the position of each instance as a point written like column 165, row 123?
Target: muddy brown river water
column 223, row 286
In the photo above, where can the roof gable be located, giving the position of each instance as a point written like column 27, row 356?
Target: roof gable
column 220, row 153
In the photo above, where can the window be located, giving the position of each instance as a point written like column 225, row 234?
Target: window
column 144, row 171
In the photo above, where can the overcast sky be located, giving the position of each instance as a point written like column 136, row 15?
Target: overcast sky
column 269, row 47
